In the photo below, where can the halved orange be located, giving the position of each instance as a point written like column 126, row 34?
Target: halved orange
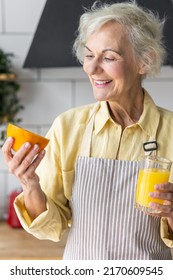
column 22, row 135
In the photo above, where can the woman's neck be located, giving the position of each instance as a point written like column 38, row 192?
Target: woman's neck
column 127, row 111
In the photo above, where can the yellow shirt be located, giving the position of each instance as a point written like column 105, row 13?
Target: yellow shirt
column 57, row 169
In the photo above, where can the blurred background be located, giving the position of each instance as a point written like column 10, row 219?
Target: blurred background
column 47, row 92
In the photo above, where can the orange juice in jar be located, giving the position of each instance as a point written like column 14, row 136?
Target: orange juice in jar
column 152, row 171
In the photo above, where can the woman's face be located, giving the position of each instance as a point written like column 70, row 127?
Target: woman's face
column 110, row 64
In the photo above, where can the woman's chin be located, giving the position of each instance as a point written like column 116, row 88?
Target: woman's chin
column 100, row 97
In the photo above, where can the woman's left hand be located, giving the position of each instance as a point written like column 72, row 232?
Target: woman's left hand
column 164, row 191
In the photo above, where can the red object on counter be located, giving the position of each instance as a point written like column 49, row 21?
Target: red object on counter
column 12, row 218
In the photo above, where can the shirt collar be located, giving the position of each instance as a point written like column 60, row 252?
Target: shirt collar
column 102, row 116
column 149, row 120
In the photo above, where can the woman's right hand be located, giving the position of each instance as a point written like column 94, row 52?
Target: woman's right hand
column 23, row 165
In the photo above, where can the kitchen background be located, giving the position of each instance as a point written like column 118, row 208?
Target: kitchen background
column 45, row 93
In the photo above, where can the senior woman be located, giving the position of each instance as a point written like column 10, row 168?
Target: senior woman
column 87, row 177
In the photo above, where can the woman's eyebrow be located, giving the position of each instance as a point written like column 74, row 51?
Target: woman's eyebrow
column 105, row 50
column 88, row 49
column 111, row 50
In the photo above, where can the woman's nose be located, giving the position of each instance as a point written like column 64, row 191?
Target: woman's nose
column 93, row 67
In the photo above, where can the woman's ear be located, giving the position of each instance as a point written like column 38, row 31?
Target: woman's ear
column 146, row 62
column 142, row 69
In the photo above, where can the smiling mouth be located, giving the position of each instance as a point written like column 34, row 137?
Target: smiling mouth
column 102, row 83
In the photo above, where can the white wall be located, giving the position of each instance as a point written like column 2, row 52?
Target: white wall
column 46, row 93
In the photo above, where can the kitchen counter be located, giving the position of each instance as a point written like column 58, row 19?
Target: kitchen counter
column 16, row 243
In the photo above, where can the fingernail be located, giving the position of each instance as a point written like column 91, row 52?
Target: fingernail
column 27, row 145
column 9, row 139
column 36, row 147
column 42, row 152
column 151, row 204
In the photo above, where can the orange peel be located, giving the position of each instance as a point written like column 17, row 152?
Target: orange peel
column 22, row 136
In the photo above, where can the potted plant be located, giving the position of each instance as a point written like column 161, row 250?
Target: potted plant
column 9, row 102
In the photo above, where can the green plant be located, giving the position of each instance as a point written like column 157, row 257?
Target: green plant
column 9, row 102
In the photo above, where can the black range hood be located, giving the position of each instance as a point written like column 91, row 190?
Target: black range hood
column 52, row 43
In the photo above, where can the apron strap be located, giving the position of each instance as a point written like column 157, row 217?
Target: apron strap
column 85, row 149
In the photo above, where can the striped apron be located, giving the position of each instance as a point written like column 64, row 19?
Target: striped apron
column 105, row 223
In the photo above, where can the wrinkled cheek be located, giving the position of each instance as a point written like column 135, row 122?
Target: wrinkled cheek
column 84, row 68
column 88, row 68
column 117, row 71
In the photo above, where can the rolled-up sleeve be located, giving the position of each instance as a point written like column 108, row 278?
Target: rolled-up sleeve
column 166, row 233
column 48, row 225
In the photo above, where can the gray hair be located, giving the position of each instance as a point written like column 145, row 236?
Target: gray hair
column 144, row 28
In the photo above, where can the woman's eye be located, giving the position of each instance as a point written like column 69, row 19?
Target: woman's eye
column 108, row 59
column 89, row 56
